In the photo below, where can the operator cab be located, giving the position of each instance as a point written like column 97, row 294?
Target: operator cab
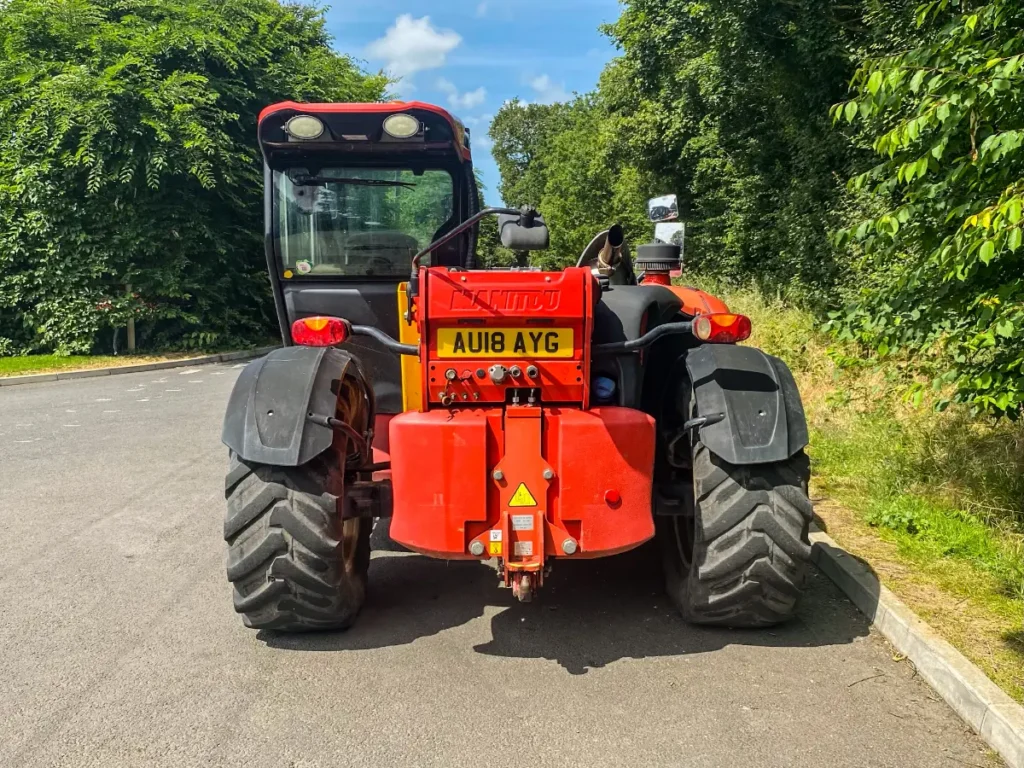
column 352, row 193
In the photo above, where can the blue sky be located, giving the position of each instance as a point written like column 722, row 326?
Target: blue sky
column 471, row 56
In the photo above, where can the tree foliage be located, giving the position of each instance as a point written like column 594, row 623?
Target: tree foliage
column 570, row 162
column 129, row 158
column 945, row 114
column 723, row 102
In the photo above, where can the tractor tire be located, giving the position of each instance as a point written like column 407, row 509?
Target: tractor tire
column 739, row 561
column 295, row 565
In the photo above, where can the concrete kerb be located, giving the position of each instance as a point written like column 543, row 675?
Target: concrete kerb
column 997, row 718
column 88, row 373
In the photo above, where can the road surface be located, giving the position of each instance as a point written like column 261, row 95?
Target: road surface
column 119, row 646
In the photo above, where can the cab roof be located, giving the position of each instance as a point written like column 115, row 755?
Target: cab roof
column 356, row 127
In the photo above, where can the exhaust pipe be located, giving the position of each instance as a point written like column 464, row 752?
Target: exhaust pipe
column 610, row 255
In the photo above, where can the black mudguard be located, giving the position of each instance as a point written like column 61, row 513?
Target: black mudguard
column 764, row 418
column 266, row 418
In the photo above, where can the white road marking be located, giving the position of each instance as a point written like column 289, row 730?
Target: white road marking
column 195, row 381
column 240, row 365
column 23, row 425
column 143, row 400
column 35, row 440
column 217, row 373
column 188, row 371
column 70, row 411
column 104, row 399
column 112, row 411
column 137, row 389
column 172, row 390
column 72, row 425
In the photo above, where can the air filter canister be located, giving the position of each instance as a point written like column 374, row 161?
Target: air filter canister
column 656, row 261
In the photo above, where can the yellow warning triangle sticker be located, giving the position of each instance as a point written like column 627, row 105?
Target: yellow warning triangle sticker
column 522, row 497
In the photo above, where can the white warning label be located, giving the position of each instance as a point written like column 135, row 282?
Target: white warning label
column 522, row 522
column 495, row 535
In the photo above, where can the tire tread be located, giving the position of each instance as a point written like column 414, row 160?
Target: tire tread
column 750, row 546
column 284, row 550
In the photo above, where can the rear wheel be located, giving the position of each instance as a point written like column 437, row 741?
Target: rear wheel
column 294, row 563
column 739, row 559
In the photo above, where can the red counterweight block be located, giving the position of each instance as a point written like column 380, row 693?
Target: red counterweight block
column 587, row 482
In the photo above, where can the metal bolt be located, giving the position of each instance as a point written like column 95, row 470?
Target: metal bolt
column 532, row 371
column 516, row 371
column 476, row 548
column 498, row 475
column 498, row 373
column 569, row 546
column 548, row 474
column 451, row 374
column 480, row 373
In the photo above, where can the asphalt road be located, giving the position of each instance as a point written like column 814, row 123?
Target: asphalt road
column 119, row 647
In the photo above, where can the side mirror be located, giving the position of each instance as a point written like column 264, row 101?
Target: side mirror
column 664, row 208
column 523, row 233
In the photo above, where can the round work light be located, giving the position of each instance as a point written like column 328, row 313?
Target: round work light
column 304, row 127
column 401, row 126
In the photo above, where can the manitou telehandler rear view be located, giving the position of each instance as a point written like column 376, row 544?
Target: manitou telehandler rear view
column 511, row 415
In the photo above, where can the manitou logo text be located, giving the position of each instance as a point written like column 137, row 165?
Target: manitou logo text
column 496, row 300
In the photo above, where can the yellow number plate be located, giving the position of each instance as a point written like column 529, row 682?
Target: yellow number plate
column 504, row 342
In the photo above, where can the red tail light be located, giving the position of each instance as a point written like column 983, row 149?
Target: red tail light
column 721, row 328
column 320, row 331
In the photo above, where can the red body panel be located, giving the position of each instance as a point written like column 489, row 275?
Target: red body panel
column 698, row 302
column 445, row 496
column 517, row 468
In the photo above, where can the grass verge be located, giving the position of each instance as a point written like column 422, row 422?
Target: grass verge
column 933, row 501
column 29, row 364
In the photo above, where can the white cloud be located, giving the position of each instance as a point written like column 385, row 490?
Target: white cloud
column 481, row 10
column 548, row 91
column 413, row 45
column 467, row 100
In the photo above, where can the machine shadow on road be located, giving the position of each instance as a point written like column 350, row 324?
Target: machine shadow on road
column 589, row 613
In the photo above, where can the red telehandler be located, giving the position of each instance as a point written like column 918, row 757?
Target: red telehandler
column 512, row 415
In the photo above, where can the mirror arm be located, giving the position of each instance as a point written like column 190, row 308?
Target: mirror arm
column 447, row 238
column 414, row 276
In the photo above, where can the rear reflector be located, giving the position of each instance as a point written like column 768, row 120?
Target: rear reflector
column 320, row 331
column 721, row 328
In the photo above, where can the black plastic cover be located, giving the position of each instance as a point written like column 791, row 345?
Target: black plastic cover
column 625, row 313
column 764, row 417
column 266, row 418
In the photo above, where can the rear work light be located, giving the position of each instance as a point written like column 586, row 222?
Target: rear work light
column 721, row 328
column 320, row 331
column 304, row 127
